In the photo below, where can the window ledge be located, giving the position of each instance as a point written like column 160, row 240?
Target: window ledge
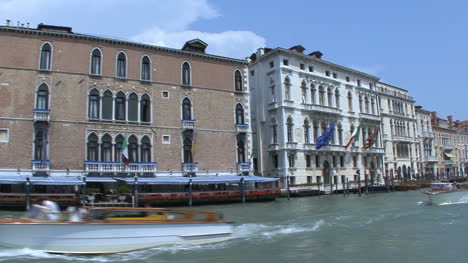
column 99, row 76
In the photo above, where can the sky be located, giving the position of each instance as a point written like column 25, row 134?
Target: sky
column 417, row 45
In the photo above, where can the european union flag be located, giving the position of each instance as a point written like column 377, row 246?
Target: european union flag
column 326, row 138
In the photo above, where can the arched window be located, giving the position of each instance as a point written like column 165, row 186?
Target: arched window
column 350, row 101
column 312, row 94
column 304, row 91
column 145, row 108
column 145, row 68
column 272, row 88
column 274, row 130
column 239, row 114
column 366, row 103
column 324, row 128
column 45, row 60
column 93, row 104
column 340, row 134
column 240, row 149
column 306, row 131
column 289, row 127
column 42, row 97
column 133, row 148
column 133, row 107
column 106, row 148
column 107, row 103
column 337, row 99
column 360, row 103
column 186, row 109
column 321, row 96
column 186, row 74
column 120, row 106
column 187, row 150
column 92, row 145
column 316, row 131
column 238, row 80
column 96, row 62
column 40, row 144
column 287, row 89
column 145, row 150
column 118, row 148
column 121, row 71
column 330, row 97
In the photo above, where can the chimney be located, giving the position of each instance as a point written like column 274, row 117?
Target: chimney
column 297, row 48
column 316, row 54
column 450, row 119
column 8, row 22
column 260, row 51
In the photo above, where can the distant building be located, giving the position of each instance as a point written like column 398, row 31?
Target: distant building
column 295, row 98
column 428, row 161
column 445, row 146
column 68, row 103
column 399, row 125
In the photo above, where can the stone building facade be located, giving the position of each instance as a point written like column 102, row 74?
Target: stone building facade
column 68, row 103
column 399, row 125
column 427, row 162
column 296, row 97
column 445, row 147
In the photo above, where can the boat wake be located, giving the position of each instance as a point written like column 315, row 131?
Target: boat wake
column 241, row 233
column 268, row 231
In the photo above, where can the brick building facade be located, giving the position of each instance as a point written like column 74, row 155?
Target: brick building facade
column 69, row 101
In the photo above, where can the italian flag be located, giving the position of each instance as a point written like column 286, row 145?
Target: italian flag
column 125, row 158
column 354, row 136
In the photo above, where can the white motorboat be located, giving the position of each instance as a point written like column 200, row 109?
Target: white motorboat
column 441, row 193
column 113, row 230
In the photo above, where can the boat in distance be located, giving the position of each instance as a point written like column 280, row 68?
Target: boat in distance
column 114, row 230
column 442, row 192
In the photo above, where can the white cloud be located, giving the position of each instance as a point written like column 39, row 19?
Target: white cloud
column 157, row 22
column 237, row 44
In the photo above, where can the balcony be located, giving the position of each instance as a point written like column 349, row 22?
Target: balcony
column 273, row 147
column 41, row 115
column 432, row 159
column 242, row 127
column 243, row 167
column 40, row 165
column 374, row 150
column 189, row 168
column 369, row 117
column 402, row 138
column 449, row 162
column 427, row 134
column 447, row 147
column 118, row 167
column 321, row 109
column 291, row 145
column 188, row 124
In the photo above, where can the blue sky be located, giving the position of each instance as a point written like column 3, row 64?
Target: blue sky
column 420, row 46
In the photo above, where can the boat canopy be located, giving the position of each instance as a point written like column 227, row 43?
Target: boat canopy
column 77, row 180
column 200, row 180
column 42, row 180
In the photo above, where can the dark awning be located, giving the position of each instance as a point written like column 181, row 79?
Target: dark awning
column 199, row 180
column 42, row 180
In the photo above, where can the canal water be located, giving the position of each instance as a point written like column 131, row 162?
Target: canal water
column 388, row 227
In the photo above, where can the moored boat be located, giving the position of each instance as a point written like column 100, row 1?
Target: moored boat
column 113, row 230
column 442, row 192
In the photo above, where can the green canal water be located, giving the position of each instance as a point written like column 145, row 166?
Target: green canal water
column 389, row 227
